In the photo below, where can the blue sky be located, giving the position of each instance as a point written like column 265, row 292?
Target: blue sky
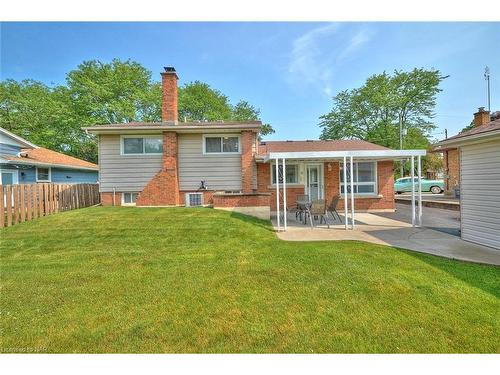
column 288, row 70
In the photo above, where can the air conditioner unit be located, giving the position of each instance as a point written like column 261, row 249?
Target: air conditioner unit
column 194, row 199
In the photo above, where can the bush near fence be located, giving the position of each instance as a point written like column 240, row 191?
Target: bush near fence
column 26, row 202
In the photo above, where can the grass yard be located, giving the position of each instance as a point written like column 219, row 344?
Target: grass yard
column 201, row 280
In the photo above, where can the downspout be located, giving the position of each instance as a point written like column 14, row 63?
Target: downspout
column 114, row 195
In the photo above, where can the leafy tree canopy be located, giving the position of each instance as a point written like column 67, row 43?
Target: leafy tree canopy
column 102, row 93
column 374, row 111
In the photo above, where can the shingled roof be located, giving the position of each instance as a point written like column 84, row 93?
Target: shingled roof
column 43, row 156
column 489, row 127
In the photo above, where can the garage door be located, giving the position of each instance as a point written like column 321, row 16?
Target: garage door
column 480, row 193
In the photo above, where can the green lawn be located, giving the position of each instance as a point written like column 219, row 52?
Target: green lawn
column 201, row 280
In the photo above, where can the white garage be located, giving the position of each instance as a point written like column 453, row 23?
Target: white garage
column 480, row 193
column 479, row 183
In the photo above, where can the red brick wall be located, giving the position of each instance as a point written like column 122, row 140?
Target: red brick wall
column 163, row 189
column 451, row 168
column 107, row 199
column 247, row 160
column 169, row 96
column 241, row 200
column 385, row 181
column 264, row 186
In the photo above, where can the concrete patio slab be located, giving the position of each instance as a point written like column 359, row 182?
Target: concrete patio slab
column 386, row 231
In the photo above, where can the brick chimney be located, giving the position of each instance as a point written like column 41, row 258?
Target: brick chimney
column 481, row 117
column 169, row 95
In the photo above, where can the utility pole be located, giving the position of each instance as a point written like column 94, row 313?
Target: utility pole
column 487, row 78
column 445, row 133
column 401, row 143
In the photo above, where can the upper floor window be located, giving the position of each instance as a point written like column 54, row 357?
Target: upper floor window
column 137, row 145
column 364, row 178
column 229, row 144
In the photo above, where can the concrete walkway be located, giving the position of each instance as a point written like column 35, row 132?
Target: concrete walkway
column 386, row 231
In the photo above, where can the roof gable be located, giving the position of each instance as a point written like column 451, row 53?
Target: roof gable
column 6, row 137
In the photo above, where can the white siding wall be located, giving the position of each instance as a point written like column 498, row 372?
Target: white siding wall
column 221, row 172
column 480, row 193
column 124, row 172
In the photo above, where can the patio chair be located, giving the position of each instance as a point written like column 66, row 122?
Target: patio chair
column 318, row 208
column 332, row 208
column 301, row 207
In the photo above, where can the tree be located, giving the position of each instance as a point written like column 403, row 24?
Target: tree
column 115, row 92
column 199, row 102
column 101, row 93
column 375, row 111
column 36, row 112
column 468, row 127
column 244, row 111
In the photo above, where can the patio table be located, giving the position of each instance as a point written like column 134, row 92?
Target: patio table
column 302, row 207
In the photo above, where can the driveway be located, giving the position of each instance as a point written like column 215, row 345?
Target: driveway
column 447, row 221
column 394, row 229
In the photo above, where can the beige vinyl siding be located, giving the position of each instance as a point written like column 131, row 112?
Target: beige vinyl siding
column 221, row 172
column 480, row 193
column 125, row 173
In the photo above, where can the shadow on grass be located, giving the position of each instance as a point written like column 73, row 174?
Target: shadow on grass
column 251, row 220
column 482, row 276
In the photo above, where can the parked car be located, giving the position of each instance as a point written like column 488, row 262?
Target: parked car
column 404, row 184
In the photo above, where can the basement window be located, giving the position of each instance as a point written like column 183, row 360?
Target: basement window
column 128, row 199
column 194, row 199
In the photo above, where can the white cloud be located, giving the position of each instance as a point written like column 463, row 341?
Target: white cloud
column 317, row 54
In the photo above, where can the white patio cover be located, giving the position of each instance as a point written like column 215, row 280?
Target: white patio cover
column 348, row 156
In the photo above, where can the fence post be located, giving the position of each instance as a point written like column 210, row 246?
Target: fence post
column 29, row 197
column 40, row 200
column 15, row 192
column 23, row 203
column 2, row 206
column 52, row 198
column 8, row 203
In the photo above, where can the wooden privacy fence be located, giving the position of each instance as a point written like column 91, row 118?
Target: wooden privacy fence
column 21, row 203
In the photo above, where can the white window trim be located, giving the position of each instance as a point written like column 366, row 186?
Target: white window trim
column 123, row 198
column 375, row 190
column 273, row 173
column 50, row 174
column 220, row 136
column 186, row 199
column 122, row 137
column 15, row 173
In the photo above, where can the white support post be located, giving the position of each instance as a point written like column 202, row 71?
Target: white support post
column 412, row 175
column 352, row 195
column 345, row 193
column 419, row 170
column 284, row 196
column 277, row 195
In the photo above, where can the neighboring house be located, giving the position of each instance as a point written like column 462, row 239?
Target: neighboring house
column 451, row 158
column 22, row 162
column 222, row 163
column 478, row 160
